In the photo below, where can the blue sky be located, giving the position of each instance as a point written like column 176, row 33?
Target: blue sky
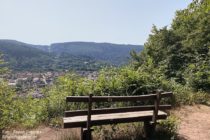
column 115, row 21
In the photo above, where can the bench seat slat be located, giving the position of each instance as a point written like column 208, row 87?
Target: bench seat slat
column 102, row 119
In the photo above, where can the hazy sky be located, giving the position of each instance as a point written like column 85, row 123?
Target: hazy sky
column 116, row 21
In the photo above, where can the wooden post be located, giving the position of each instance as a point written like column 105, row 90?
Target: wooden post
column 88, row 133
column 155, row 111
column 82, row 134
column 1, row 134
column 149, row 128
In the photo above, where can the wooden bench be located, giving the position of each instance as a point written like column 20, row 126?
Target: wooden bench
column 149, row 114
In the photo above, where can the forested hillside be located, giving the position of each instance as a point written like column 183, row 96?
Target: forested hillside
column 64, row 56
column 116, row 54
column 25, row 57
column 20, row 56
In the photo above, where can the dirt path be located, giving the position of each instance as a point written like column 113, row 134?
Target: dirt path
column 194, row 122
column 59, row 134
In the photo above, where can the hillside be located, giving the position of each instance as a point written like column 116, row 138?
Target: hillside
column 26, row 57
column 116, row 54
column 20, row 56
column 64, row 56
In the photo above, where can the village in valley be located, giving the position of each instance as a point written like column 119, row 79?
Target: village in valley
column 31, row 83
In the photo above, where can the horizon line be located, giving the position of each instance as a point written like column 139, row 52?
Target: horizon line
column 76, row 41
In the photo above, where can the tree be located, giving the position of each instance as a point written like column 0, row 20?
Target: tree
column 3, row 69
column 175, row 50
column 7, row 101
column 7, row 112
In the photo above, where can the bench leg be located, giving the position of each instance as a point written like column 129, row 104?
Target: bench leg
column 85, row 134
column 82, row 134
column 1, row 134
column 149, row 129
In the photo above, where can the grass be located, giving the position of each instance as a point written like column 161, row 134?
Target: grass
column 68, row 134
column 127, row 131
column 20, row 134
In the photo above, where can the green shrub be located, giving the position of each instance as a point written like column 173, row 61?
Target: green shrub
column 198, row 76
column 7, row 105
column 167, row 129
column 184, row 95
column 170, row 124
column 114, row 82
column 56, row 122
column 30, row 112
column 126, row 131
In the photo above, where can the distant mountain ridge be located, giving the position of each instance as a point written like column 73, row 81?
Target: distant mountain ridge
column 116, row 54
column 59, row 55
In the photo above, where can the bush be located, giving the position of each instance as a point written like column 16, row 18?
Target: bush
column 7, row 106
column 198, row 76
column 126, row 131
column 125, row 81
column 167, row 129
column 184, row 95
column 117, row 81
column 29, row 112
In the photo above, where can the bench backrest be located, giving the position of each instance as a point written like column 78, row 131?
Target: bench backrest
column 155, row 98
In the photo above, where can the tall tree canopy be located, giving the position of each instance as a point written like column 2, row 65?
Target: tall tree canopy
column 181, row 52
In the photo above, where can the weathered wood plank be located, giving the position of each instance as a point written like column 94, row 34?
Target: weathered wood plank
column 102, row 119
column 115, row 110
column 116, row 98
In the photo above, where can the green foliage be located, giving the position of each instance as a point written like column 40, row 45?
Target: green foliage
column 167, row 129
column 7, row 111
column 3, row 69
column 126, row 131
column 31, row 112
column 198, row 75
column 116, row 54
column 113, row 82
column 181, row 52
column 116, row 82
column 184, row 95
column 25, row 57
column 7, row 106
column 19, row 111
column 124, row 81
column 68, row 85
column 64, row 56
column 56, row 122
